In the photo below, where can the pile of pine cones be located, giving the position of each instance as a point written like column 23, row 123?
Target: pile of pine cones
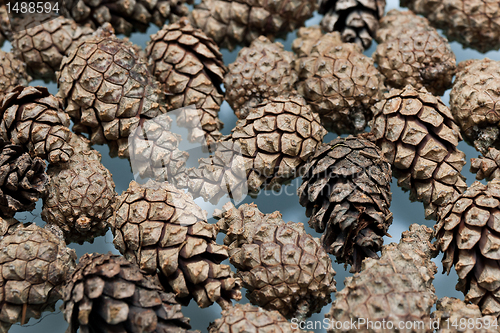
column 112, row 92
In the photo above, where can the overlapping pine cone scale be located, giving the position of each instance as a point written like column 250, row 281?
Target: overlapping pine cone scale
column 356, row 20
column 33, row 118
column 160, row 228
column 395, row 288
column 22, row 179
column 488, row 166
column 12, row 72
column 42, row 45
column 107, row 293
column 282, row 267
column 80, row 196
column 418, row 136
column 107, row 89
column 189, row 66
column 340, row 83
column 261, row 71
column 474, row 106
column 267, row 149
column 35, row 263
column 411, row 52
column 306, row 38
column 5, row 27
column 233, row 22
column 346, row 190
column 468, row 233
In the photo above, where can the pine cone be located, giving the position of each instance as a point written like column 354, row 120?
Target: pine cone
column 468, row 234
column 35, row 263
column 125, row 16
column 395, row 288
column 33, row 118
column 107, row 89
column 473, row 105
column 233, row 22
column 247, row 318
column 190, row 67
column 356, row 20
column 346, row 189
column 160, row 228
column 340, row 83
column 42, row 45
column 262, row 70
column 5, row 27
column 451, row 313
column 487, row 167
column 307, row 37
column 12, row 73
column 267, row 149
column 107, row 293
column 80, row 197
column 418, row 136
column 412, row 52
column 282, row 267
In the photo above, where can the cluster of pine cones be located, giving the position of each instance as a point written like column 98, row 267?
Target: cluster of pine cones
column 386, row 110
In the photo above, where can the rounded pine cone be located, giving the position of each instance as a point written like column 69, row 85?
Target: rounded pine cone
column 411, row 52
column 12, row 73
column 340, row 83
column 80, row 197
column 395, row 288
column 22, row 179
column 35, row 263
column 487, row 167
column 107, row 89
column 107, row 293
column 189, row 66
column 282, row 267
column 233, row 22
column 261, row 71
column 33, row 118
column 307, row 37
column 469, row 235
column 346, row 189
column 160, row 228
column 418, row 136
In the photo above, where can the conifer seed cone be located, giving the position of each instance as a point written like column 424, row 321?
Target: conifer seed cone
column 12, row 72
column 487, row 167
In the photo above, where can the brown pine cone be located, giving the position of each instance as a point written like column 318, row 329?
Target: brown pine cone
column 261, row 71
column 79, row 198
column 35, row 262
column 418, row 136
column 472, row 102
column 234, row 22
column 356, row 20
column 5, row 27
column 42, row 45
column 12, row 73
column 248, row 318
column 107, row 89
column 107, row 293
column 307, row 37
column 487, row 167
column 469, row 236
column 267, row 149
column 160, row 228
column 411, row 52
column 395, row 288
column 33, row 118
column 340, row 83
column 346, row 189
column 189, row 66
column 282, row 267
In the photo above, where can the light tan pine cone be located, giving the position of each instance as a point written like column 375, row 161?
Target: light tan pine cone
column 160, row 228
column 107, row 293
column 395, row 288
column 35, row 263
column 418, row 136
column 411, row 52
column 107, row 89
column 307, row 37
column 468, row 232
column 282, row 267
column 261, row 71
column 487, row 166
column 189, row 66
column 234, row 22
column 5, row 27
column 346, row 189
column 340, row 83
column 12, row 73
